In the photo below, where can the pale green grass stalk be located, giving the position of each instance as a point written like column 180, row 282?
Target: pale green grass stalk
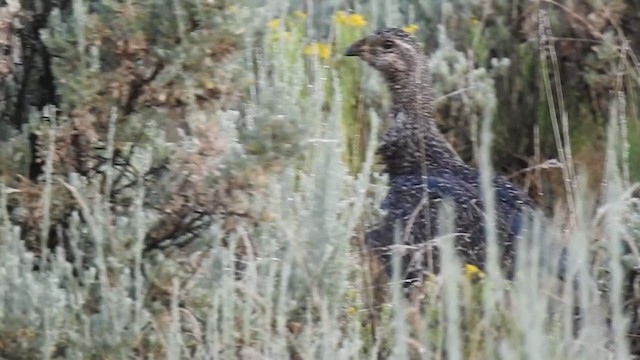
column 492, row 290
column 451, row 272
column 46, row 192
column 563, row 146
column 613, row 231
column 398, row 304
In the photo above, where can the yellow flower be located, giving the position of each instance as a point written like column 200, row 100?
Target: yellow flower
column 310, row 49
column 340, row 17
column 352, row 310
column 273, row 24
column 411, row 29
column 233, row 9
column 324, row 51
column 357, row 20
column 472, row 271
column 474, row 20
column 321, row 50
column 353, row 20
column 299, row 14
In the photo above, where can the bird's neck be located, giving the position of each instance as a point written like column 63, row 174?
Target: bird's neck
column 414, row 103
column 412, row 91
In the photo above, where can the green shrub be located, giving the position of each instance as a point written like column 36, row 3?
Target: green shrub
column 192, row 178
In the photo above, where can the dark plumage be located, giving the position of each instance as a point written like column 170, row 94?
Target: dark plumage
column 419, row 161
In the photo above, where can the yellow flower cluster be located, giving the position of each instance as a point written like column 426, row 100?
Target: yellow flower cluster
column 472, row 272
column 273, row 24
column 411, row 29
column 321, row 50
column 353, row 20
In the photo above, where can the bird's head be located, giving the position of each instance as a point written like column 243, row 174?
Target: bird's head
column 391, row 51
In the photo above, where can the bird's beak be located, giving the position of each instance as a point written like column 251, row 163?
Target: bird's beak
column 355, row 49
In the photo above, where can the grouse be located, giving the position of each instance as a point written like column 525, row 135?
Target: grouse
column 423, row 170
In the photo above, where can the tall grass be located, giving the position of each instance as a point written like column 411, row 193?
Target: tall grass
column 297, row 285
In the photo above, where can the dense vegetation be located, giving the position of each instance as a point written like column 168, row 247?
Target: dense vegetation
column 192, row 178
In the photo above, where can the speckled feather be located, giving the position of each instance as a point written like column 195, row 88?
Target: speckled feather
column 421, row 162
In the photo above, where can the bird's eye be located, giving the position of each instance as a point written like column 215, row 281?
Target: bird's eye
column 387, row 44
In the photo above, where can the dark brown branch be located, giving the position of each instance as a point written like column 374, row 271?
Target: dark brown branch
column 137, row 86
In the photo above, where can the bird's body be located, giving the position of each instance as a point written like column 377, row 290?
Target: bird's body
column 424, row 170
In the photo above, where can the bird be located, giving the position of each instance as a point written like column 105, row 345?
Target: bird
column 425, row 172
